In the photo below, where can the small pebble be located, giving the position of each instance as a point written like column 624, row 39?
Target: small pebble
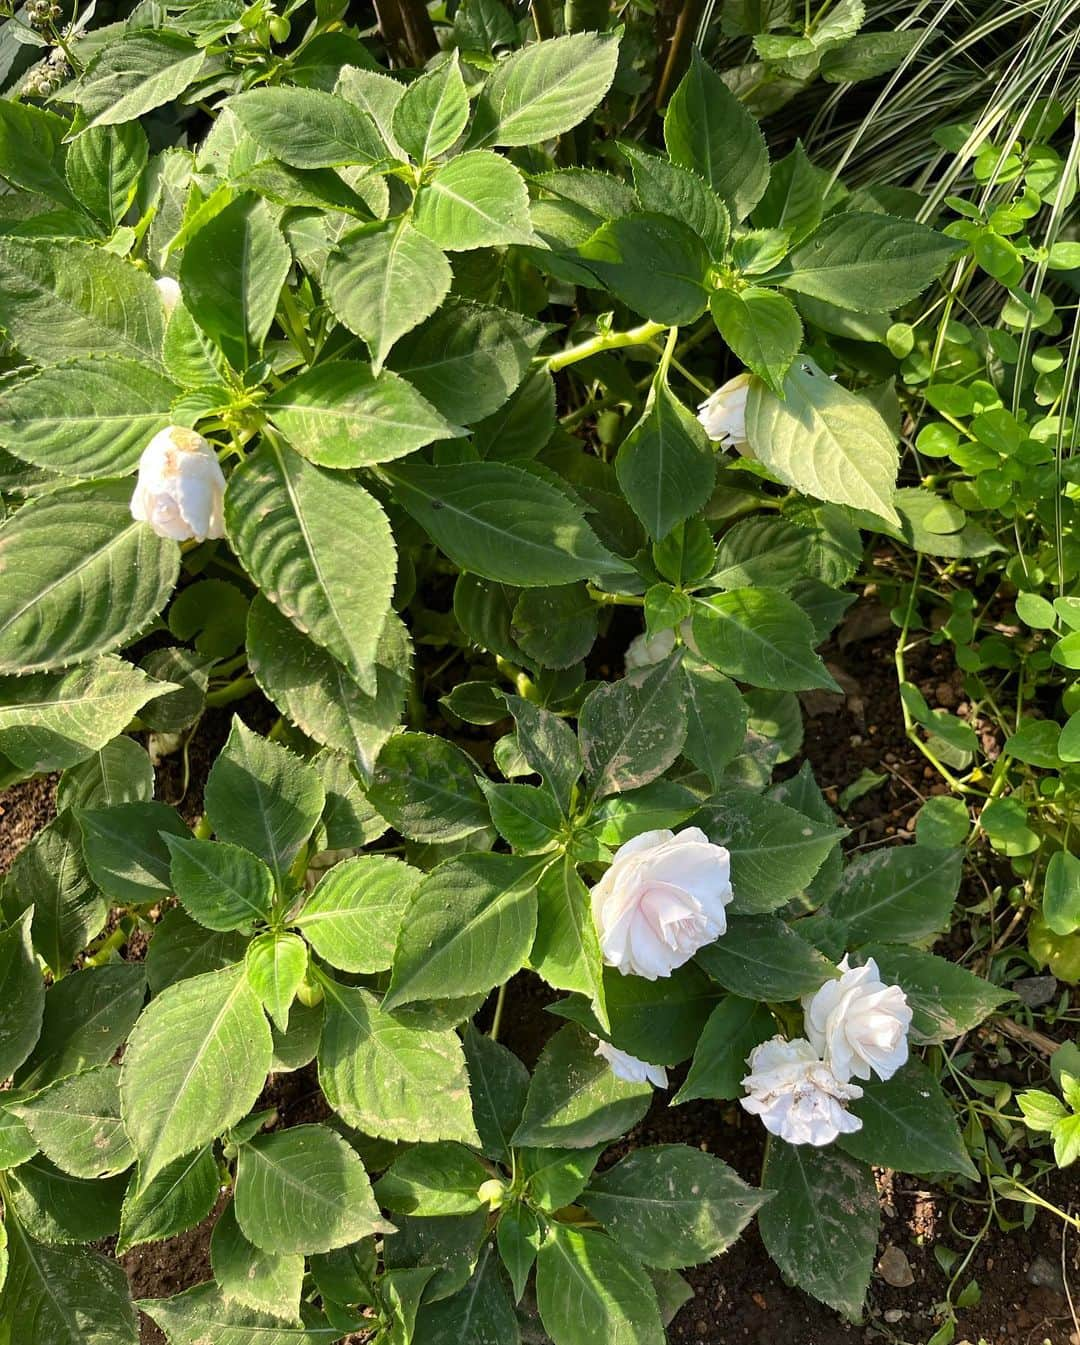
column 895, row 1269
column 894, row 1315
column 1036, row 990
column 1046, row 1274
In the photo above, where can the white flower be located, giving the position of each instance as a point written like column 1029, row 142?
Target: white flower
column 628, row 1067
column 661, row 900
column 723, row 414
column 169, row 291
column 643, row 652
column 180, row 487
column 797, row 1095
column 858, row 1023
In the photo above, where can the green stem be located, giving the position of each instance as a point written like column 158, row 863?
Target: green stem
column 235, row 690
column 497, row 1020
column 636, row 336
column 615, row 599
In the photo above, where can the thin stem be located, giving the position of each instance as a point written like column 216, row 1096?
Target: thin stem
column 636, row 336
column 235, row 690
column 543, row 19
column 495, row 1022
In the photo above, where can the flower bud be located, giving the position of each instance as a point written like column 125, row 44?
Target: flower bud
column 491, row 1193
column 181, row 488
column 169, row 292
column 723, row 414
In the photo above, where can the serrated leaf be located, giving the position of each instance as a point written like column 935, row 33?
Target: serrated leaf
column 433, row 1179
column 758, row 635
column 181, row 1195
column 469, row 927
column 588, row 1289
column 574, row 1099
column 947, row 999
column 54, row 1207
column 498, row 1084
column 426, row 788
column 666, row 188
column 50, row 875
column 431, row 112
column 286, row 520
column 734, row 1028
column 342, row 415
column 389, row 1080
column 760, row 957
column 264, row 1281
column 125, row 850
column 195, row 1063
column 479, row 1311
column 303, row 1190
column 76, row 1123
column 276, row 964
column 715, row 719
column 134, row 74
column 502, row 523
column 824, row 441
column 87, row 418
column 655, row 264
column 263, row 797
column 632, row 730
column 672, row 1205
column 79, row 577
column 899, row 894
column 51, row 721
column 821, row 1226
column 308, row 128
column 32, row 154
column 478, row 199
column 545, row 89
column 707, row 130
column 232, row 273
column 22, row 990
column 352, row 917
column 187, row 1318
column 220, row 885
column 103, row 167
column 665, row 465
column 762, row 328
column 384, row 279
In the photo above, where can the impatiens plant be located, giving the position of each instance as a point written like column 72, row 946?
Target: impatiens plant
column 405, row 363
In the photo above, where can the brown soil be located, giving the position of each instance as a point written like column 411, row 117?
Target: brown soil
column 740, row 1297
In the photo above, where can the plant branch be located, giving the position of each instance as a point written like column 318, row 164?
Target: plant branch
column 635, row 336
column 678, row 56
column 407, row 29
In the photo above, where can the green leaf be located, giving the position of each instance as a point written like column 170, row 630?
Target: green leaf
column 303, row 1190
column 275, row 965
column 342, row 415
column 521, row 427
column 22, row 991
column 431, row 112
column 382, row 281
column 760, row 636
column 545, row 89
column 134, row 74
column 309, row 685
column 549, row 746
column 707, row 130
column 435, row 1257
column 775, row 850
column 655, row 264
column 478, row 199
column 263, row 797
column 389, row 1080
column 588, row 1289
column 501, row 522
column 821, row 1226
column 761, row 957
column 32, row 153
column 80, row 577
column 715, row 719
column 203, row 1314
column 54, row 720
column 795, row 197
column 762, row 328
column 574, row 1100
column 908, row 1125
column 1061, row 892
column 232, row 273
column 308, row 128
column 126, row 852
column 426, row 789
column 498, row 1084
column 632, row 730
column 657, row 1021
column 869, row 263
column 566, row 948
column 264, row 1281
column 195, row 1063
column 76, row 1123
column 672, row 1205
column 179, row 1197
column 433, row 1179
column 555, row 1178
column 824, row 441
column 664, row 188
column 762, row 552
column 469, row 358
column 86, row 418
column 286, row 520
column 87, row 1016
column 53, row 1207
column 220, row 885
column 527, row 818
column 469, row 927
column 60, row 299
column 480, row 1311
column 353, row 916
column 16, row 1143
column 734, row 1028
column 898, row 894
column 948, row 1000
column 64, row 1295
column 1041, row 1110
column 555, row 626
column 665, row 465
column 104, row 165
column 50, row 875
